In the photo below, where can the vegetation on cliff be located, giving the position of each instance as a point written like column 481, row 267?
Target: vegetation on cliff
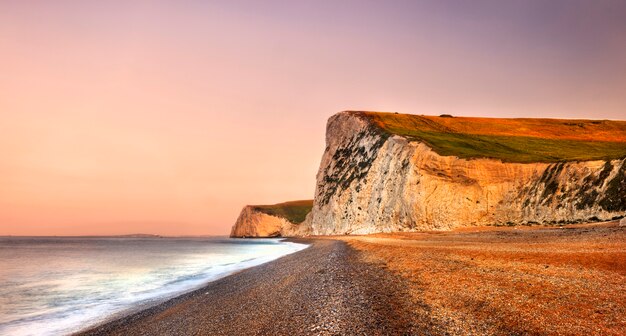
column 511, row 140
column 294, row 211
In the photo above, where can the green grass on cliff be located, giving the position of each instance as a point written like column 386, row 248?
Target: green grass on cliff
column 294, row 211
column 510, row 140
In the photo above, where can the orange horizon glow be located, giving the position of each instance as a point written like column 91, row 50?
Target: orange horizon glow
column 167, row 118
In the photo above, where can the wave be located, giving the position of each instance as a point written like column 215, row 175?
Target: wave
column 72, row 297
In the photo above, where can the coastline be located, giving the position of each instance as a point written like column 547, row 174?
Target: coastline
column 322, row 289
column 471, row 281
column 70, row 284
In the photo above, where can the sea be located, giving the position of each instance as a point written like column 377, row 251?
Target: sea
column 58, row 286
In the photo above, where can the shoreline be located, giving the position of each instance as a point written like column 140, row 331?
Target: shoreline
column 318, row 290
column 495, row 281
column 168, row 299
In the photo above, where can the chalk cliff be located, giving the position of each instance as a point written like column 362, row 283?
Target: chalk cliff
column 276, row 220
column 385, row 172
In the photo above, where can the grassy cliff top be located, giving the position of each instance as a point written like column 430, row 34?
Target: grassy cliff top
column 511, row 140
column 294, row 211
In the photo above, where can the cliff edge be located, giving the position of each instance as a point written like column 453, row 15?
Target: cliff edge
column 276, row 220
column 386, row 172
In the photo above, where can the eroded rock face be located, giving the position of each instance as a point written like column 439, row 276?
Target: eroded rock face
column 254, row 223
column 370, row 181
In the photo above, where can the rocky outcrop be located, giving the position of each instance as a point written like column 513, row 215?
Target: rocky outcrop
column 277, row 220
column 253, row 223
column 371, row 180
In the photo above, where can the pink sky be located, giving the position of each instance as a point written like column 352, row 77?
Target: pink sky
column 168, row 117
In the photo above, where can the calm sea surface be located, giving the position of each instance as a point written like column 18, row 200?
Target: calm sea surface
column 52, row 286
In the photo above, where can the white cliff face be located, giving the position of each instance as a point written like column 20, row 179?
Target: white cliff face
column 254, row 223
column 370, row 182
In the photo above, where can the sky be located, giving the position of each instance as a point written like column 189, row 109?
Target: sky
column 167, row 117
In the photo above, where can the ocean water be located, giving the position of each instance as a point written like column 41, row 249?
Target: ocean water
column 56, row 286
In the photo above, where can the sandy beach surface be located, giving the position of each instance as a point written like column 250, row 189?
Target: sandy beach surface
column 477, row 281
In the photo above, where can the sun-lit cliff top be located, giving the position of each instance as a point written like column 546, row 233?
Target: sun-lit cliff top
column 294, row 211
column 512, row 140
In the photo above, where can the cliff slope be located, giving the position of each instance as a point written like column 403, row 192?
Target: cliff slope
column 276, row 220
column 386, row 172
